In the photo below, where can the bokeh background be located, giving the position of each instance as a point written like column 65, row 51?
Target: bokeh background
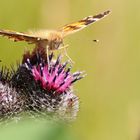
column 110, row 93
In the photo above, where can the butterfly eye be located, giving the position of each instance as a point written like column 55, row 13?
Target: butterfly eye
column 57, row 44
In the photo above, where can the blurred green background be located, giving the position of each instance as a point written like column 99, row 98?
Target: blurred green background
column 110, row 93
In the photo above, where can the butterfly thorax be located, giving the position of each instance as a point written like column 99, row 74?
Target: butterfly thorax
column 49, row 38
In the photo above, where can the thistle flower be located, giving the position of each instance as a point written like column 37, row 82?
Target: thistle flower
column 39, row 87
column 53, row 76
column 56, row 81
column 47, row 86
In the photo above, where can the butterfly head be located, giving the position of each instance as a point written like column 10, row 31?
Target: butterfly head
column 55, row 40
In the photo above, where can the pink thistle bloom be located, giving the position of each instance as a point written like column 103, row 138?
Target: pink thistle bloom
column 50, row 87
column 39, row 87
column 55, row 76
column 47, row 87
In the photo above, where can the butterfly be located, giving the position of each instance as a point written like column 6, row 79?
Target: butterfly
column 52, row 39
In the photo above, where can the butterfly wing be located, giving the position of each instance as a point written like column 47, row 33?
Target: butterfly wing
column 77, row 26
column 18, row 36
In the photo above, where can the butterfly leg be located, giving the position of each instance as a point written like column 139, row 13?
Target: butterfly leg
column 47, row 50
column 65, row 53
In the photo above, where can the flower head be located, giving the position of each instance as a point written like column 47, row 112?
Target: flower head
column 54, row 81
column 41, row 87
column 53, row 76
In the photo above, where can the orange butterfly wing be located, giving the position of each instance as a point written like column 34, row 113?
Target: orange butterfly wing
column 18, row 36
column 77, row 26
